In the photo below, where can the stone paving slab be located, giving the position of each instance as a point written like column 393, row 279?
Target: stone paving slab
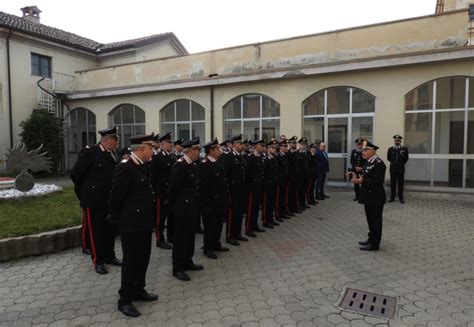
column 290, row 276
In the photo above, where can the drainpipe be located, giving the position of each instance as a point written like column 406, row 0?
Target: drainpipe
column 212, row 112
column 10, row 105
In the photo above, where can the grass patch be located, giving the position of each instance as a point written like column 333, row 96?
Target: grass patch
column 35, row 215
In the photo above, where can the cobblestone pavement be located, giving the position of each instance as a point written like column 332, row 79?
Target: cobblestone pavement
column 290, row 276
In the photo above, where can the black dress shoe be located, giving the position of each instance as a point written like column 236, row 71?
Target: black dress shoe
column 313, row 203
column 145, row 296
column 286, row 217
column 114, row 262
column 259, row 230
column 194, row 267
column 268, row 226
column 391, row 200
column 325, row 196
column 297, row 211
column 274, row 223
column 129, row 310
column 251, row 234
column 86, row 251
column 355, row 199
column 289, row 214
column 221, row 249
column 181, row 275
column 364, row 243
column 163, row 245
column 306, row 206
column 210, row 255
column 370, row 247
column 280, row 220
column 321, row 198
column 402, row 201
column 241, row 238
column 233, row 242
column 101, row 269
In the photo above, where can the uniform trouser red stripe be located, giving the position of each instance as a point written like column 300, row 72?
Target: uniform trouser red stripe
column 84, row 230
column 248, row 225
column 91, row 235
column 229, row 221
column 277, row 202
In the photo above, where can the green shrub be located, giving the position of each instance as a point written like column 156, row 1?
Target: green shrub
column 44, row 128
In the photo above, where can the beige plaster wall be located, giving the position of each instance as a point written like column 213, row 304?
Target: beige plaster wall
column 409, row 36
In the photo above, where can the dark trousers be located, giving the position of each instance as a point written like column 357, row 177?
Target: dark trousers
column 374, row 220
column 101, row 234
column 283, row 207
column 86, row 240
column 213, row 224
column 183, row 244
column 268, row 206
column 356, row 187
column 293, row 200
column 397, row 179
column 320, row 180
column 302, row 184
column 235, row 215
column 253, row 207
column 136, row 247
column 310, row 196
column 164, row 219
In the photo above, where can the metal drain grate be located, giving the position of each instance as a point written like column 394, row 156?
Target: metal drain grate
column 368, row 303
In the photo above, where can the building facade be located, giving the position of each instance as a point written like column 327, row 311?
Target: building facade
column 413, row 77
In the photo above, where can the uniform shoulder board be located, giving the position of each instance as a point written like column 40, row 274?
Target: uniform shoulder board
column 378, row 160
column 124, row 161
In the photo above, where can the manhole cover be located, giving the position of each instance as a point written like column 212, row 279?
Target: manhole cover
column 368, row 303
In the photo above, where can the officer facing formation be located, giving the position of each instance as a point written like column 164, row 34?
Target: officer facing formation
column 357, row 163
column 398, row 157
column 132, row 206
column 371, row 194
column 183, row 200
column 92, row 178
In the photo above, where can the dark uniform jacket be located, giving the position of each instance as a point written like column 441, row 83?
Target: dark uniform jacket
column 235, row 166
column 132, row 199
column 292, row 164
column 312, row 164
column 254, row 172
column 161, row 166
column 270, row 173
column 398, row 157
column 283, row 168
column 372, row 192
column 92, row 176
column 356, row 159
column 213, row 187
column 183, row 193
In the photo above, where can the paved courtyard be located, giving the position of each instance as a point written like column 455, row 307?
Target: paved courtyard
column 290, row 276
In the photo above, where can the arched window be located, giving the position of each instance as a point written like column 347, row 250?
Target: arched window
column 184, row 119
column 130, row 119
column 439, row 132
column 255, row 116
column 82, row 129
column 82, row 132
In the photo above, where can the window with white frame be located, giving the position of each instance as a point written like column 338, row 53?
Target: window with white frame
column 439, row 133
column 130, row 120
column 255, row 116
column 185, row 119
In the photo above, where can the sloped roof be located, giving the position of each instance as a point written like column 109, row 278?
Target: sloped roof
column 57, row 35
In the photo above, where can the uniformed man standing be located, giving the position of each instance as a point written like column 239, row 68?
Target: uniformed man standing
column 254, row 176
column 161, row 165
column 371, row 194
column 357, row 163
column 398, row 157
column 283, row 210
column 235, row 166
column 293, row 166
column 270, row 184
column 92, row 177
column 302, row 172
column 183, row 200
column 132, row 205
column 214, row 198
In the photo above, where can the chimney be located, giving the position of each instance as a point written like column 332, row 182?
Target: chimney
column 31, row 13
column 450, row 5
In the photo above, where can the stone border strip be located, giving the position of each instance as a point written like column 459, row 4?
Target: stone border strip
column 47, row 242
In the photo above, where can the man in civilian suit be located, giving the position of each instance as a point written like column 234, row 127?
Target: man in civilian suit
column 322, row 168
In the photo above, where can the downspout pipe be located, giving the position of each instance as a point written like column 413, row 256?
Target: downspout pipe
column 212, row 112
column 10, row 104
